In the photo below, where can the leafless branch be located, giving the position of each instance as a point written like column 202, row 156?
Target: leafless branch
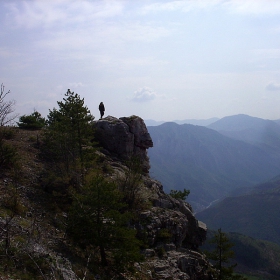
column 6, row 108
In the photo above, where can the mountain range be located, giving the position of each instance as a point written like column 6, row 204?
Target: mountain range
column 232, row 153
column 202, row 122
column 252, row 130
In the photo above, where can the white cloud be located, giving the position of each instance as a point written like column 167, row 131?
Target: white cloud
column 179, row 5
column 254, row 7
column 273, row 86
column 118, row 35
column 251, row 7
column 143, row 32
column 34, row 14
column 144, row 94
column 76, row 85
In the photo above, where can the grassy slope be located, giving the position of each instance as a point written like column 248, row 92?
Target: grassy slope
column 255, row 258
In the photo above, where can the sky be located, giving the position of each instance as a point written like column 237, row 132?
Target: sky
column 158, row 59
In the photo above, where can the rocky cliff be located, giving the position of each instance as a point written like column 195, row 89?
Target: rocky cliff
column 34, row 203
column 173, row 233
column 124, row 138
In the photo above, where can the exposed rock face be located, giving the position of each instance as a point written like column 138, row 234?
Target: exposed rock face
column 178, row 218
column 174, row 235
column 169, row 226
column 181, row 265
column 124, row 138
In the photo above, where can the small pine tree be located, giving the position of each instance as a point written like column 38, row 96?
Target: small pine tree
column 222, row 255
column 69, row 135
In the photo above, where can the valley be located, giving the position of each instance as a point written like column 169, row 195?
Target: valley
column 210, row 164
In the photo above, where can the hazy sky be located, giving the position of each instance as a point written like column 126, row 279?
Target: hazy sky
column 161, row 60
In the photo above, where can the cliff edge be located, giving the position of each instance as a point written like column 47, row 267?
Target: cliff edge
column 172, row 231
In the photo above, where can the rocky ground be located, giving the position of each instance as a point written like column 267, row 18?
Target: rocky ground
column 34, row 244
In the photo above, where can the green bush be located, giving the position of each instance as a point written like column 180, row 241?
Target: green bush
column 179, row 194
column 34, row 121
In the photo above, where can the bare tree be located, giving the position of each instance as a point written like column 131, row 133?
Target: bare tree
column 6, row 107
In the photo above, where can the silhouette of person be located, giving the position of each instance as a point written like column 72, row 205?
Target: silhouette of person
column 101, row 109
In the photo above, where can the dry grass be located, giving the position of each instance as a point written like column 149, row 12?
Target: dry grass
column 26, row 143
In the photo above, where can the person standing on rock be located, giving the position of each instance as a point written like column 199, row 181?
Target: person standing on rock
column 101, row 109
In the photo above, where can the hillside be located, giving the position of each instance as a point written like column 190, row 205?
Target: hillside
column 206, row 162
column 255, row 214
column 36, row 212
column 254, row 258
column 269, row 185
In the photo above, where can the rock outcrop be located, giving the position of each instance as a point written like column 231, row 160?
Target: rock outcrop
column 172, row 232
column 125, row 138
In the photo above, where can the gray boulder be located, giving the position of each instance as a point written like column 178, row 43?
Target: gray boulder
column 124, row 138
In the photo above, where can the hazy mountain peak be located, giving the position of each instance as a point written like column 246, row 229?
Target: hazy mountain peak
column 239, row 122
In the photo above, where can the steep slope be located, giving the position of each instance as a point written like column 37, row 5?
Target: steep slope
column 257, row 131
column 255, row 214
column 207, row 163
column 34, row 209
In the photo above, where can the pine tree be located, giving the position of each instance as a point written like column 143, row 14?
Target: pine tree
column 96, row 220
column 69, row 134
column 222, row 255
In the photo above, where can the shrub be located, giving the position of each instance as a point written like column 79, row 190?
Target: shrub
column 34, row 121
column 8, row 155
column 179, row 194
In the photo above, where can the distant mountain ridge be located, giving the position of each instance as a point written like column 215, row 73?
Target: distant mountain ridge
column 206, row 162
column 238, row 123
column 257, row 131
column 202, row 122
